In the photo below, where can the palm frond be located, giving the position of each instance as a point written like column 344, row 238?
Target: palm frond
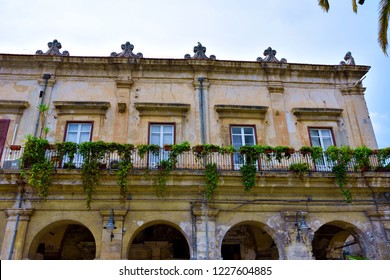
column 354, row 6
column 324, row 4
column 384, row 13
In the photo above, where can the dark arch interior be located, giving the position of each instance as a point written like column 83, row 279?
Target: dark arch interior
column 67, row 242
column 159, row 242
column 248, row 242
column 333, row 242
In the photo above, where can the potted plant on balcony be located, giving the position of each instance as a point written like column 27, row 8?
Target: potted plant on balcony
column 300, row 168
column 362, row 158
column 283, row 152
column 15, row 147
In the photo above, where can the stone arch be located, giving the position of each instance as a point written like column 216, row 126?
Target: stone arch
column 63, row 240
column 339, row 240
column 250, row 240
column 159, row 239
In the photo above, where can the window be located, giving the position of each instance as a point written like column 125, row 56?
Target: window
column 241, row 136
column 160, row 134
column 77, row 133
column 321, row 137
column 4, row 124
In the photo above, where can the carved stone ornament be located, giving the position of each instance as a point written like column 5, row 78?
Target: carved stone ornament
column 200, row 53
column 127, row 51
column 54, row 49
column 349, row 60
column 270, row 56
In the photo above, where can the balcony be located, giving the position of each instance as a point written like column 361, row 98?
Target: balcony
column 189, row 161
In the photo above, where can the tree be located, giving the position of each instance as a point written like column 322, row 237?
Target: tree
column 384, row 14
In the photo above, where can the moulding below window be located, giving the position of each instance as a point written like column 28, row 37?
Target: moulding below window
column 162, row 109
column 241, row 111
column 81, row 107
column 15, row 107
column 317, row 114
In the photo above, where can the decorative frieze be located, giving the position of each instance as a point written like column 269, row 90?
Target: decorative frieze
column 200, row 53
column 270, row 57
column 54, row 49
column 127, row 51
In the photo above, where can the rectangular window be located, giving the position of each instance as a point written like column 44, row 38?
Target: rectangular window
column 4, row 124
column 322, row 137
column 242, row 136
column 160, row 134
column 77, row 133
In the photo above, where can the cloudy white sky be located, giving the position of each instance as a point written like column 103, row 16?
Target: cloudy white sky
column 232, row 30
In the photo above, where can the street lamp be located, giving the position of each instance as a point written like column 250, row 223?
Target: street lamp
column 301, row 225
column 110, row 226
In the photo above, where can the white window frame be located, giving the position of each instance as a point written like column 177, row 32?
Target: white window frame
column 78, row 159
column 323, row 164
column 238, row 161
column 163, row 155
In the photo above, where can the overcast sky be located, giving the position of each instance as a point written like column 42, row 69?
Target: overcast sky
column 231, row 30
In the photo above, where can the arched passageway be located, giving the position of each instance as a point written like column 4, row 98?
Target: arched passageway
column 64, row 241
column 336, row 241
column 248, row 242
column 159, row 242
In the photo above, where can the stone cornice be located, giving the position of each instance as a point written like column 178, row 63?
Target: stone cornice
column 241, row 112
column 317, row 114
column 162, row 109
column 13, row 106
column 81, row 107
column 354, row 90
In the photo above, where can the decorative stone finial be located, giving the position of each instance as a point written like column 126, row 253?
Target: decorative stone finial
column 54, row 49
column 127, row 51
column 200, row 51
column 270, row 56
column 348, row 59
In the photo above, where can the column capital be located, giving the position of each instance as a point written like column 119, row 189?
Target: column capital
column 24, row 213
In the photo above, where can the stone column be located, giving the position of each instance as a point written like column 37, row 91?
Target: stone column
column 297, row 248
column 122, row 95
column 15, row 233
column 380, row 237
column 111, row 246
column 205, row 234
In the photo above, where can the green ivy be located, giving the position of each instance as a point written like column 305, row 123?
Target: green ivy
column 211, row 178
column 341, row 157
column 41, row 170
column 300, row 168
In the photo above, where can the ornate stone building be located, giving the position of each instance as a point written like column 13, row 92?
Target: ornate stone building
column 127, row 98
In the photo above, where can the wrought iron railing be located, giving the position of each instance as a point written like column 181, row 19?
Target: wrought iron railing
column 189, row 161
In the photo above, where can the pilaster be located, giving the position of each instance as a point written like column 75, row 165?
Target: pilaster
column 112, row 242
column 15, row 233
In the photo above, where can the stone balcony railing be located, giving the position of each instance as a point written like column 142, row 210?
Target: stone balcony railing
column 189, row 161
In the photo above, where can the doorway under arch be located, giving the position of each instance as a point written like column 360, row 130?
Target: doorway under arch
column 248, row 241
column 159, row 242
column 64, row 240
column 336, row 241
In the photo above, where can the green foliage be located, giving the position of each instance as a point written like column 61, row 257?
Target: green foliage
column 300, row 168
column 341, row 157
column 211, row 178
column 202, row 151
column 362, row 158
column 41, row 170
column 161, row 177
column 93, row 153
column 144, row 148
column 66, row 148
column 125, row 164
column 248, row 172
column 282, row 151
